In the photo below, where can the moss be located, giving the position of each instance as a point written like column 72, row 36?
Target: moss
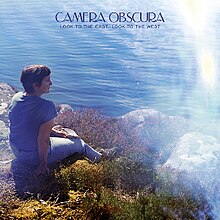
column 81, row 175
column 88, row 196
column 34, row 209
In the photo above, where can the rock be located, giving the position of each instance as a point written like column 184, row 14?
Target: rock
column 190, row 158
column 6, row 94
column 160, row 131
column 4, row 142
column 198, row 155
column 4, row 131
column 62, row 108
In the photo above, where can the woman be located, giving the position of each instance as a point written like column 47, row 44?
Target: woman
column 32, row 120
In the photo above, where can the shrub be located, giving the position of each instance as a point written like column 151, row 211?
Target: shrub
column 101, row 131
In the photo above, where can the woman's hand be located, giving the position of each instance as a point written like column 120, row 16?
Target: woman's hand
column 41, row 170
column 59, row 131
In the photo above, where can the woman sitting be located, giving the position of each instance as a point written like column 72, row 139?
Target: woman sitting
column 32, row 120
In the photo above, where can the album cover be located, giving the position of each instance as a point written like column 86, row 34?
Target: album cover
column 150, row 65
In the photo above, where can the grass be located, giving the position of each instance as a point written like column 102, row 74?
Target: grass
column 127, row 187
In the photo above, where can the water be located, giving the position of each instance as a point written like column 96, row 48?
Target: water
column 113, row 70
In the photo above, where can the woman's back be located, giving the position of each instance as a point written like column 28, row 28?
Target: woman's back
column 26, row 115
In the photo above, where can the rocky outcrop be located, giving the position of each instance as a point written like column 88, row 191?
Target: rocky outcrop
column 198, row 155
column 6, row 93
column 160, row 132
column 186, row 150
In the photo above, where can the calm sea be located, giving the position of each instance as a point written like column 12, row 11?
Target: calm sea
column 117, row 70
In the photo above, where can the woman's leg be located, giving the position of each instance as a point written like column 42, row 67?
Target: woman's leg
column 62, row 148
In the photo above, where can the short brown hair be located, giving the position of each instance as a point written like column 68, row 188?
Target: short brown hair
column 33, row 74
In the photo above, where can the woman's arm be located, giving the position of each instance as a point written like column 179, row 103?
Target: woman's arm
column 43, row 144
